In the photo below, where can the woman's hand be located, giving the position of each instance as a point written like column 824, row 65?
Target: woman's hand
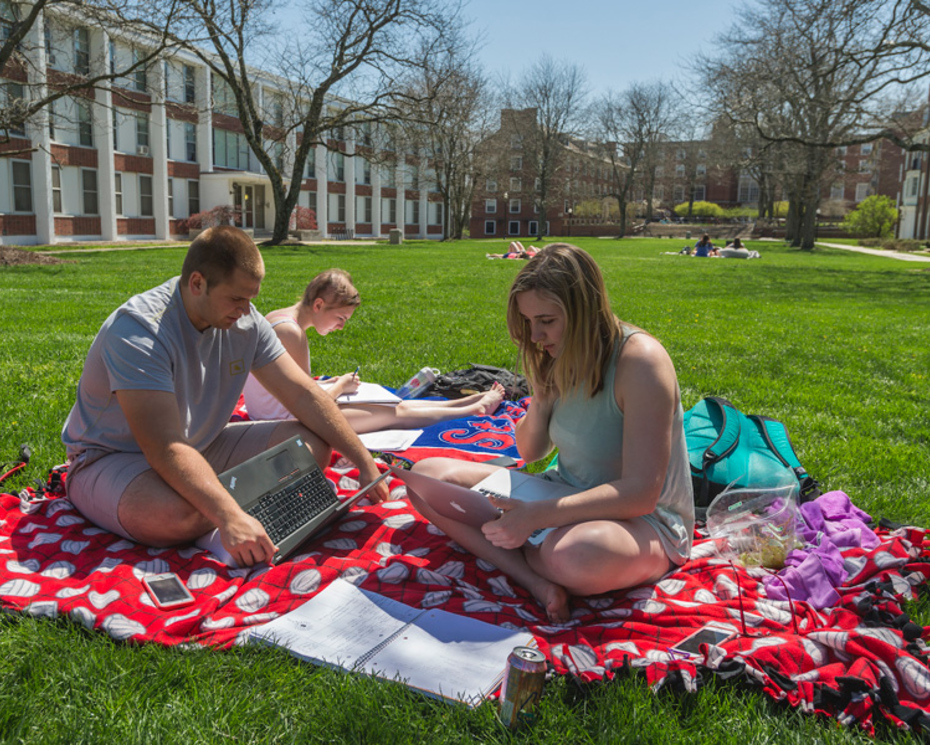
column 518, row 521
column 347, row 383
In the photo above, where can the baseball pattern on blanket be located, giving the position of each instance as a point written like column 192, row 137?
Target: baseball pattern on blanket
column 854, row 659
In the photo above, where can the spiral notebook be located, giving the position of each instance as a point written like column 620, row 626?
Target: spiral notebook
column 443, row 655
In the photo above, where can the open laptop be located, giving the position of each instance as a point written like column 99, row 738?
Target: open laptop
column 286, row 491
column 472, row 506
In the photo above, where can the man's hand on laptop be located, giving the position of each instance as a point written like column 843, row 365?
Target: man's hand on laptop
column 246, row 540
column 367, row 474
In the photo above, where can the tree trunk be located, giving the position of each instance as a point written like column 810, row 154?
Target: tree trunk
column 622, row 204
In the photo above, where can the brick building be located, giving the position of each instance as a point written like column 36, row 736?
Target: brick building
column 134, row 158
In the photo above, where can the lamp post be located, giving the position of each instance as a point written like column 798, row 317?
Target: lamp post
column 506, row 208
column 568, row 223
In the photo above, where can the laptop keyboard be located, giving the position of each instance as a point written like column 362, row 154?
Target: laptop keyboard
column 284, row 511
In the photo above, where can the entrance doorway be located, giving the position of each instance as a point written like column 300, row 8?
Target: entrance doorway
column 249, row 203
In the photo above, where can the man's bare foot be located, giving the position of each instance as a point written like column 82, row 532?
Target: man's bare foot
column 492, row 399
column 554, row 600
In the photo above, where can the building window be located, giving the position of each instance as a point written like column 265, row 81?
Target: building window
column 139, row 74
column 142, row 133
column 862, row 191
column 89, row 191
column 190, row 141
column 490, row 186
column 170, row 197
column 311, row 164
column 340, row 208
column 681, row 153
column 85, row 124
column 190, row 88
column 912, row 185
column 392, row 211
column 516, row 163
column 660, row 171
column 118, row 192
column 490, row 206
column 701, row 170
column 146, row 202
column 366, row 172
column 534, row 227
column 748, row 190
column 841, row 150
column 193, row 197
column 516, row 184
column 115, row 129
column 311, row 201
column 22, row 185
column 56, row 190
column 513, row 227
column 514, row 206
column 864, row 166
column 679, row 171
column 81, row 51
column 699, row 193
column 837, row 191
column 337, row 166
column 416, row 212
column 112, row 47
column 390, row 177
column 13, row 93
column 367, row 209
column 168, row 128
column 490, row 227
column 437, row 213
column 865, row 148
column 516, row 142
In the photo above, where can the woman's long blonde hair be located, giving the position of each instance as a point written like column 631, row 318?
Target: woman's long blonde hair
column 568, row 276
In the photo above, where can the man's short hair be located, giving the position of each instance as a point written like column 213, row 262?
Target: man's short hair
column 218, row 251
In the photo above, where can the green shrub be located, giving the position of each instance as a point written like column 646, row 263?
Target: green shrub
column 700, row 209
column 902, row 244
column 874, row 217
column 870, row 242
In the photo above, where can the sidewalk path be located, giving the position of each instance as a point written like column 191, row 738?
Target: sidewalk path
column 877, row 252
column 184, row 245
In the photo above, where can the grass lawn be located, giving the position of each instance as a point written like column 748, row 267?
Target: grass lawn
column 833, row 343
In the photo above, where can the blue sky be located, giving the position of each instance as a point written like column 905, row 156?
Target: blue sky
column 618, row 42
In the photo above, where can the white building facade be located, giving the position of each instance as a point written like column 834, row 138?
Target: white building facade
column 132, row 159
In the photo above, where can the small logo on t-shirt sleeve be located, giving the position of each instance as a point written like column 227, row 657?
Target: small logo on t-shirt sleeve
column 236, row 367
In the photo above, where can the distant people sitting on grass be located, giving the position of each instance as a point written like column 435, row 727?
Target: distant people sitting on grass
column 327, row 305
column 150, row 428
column 704, row 248
column 515, row 251
column 736, row 250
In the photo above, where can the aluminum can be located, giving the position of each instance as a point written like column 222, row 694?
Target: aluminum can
column 523, row 685
column 418, row 384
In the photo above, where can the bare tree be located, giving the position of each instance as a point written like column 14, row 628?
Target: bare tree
column 556, row 92
column 816, row 73
column 346, row 65
column 32, row 88
column 449, row 117
column 636, row 121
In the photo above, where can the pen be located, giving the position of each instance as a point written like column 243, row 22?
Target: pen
column 357, row 368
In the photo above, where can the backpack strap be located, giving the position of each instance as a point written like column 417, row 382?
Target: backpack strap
column 725, row 443
column 776, row 438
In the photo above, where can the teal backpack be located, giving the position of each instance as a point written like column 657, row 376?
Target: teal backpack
column 729, row 448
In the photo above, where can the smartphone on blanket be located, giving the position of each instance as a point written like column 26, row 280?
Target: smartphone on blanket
column 711, row 633
column 167, row 590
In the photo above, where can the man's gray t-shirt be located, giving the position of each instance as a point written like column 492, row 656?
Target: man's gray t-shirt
column 150, row 344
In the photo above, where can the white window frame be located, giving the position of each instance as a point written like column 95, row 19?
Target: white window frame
column 85, row 191
column 515, row 206
column 513, row 227
column 490, row 206
column 146, row 199
column 20, row 187
column 490, row 227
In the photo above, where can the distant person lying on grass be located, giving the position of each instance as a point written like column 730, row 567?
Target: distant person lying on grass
column 606, row 395
column 327, row 305
column 516, row 251
column 736, row 250
column 150, row 428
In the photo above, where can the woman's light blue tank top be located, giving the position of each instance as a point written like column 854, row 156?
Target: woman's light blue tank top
column 589, row 435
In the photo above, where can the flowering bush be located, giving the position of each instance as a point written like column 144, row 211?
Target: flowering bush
column 222, row 214
column 303, row 218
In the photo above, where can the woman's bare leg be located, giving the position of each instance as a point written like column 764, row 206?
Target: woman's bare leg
column 513, row 562
column 415, row 414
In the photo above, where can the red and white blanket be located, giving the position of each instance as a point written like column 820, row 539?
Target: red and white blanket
column 854, row 659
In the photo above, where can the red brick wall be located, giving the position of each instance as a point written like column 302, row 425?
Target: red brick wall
column 77, row 226
column 129, row 99
column 337, row 188
column 132, row 163
column 226, row 122
column 15, row 144
column 17, row 224
column 184, row 112
column 182, row 169
column 363, row 227
column 135, row 226
column 66, row 155
column 363, row 190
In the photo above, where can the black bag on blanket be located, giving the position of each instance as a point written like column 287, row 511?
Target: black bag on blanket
column 477, row 379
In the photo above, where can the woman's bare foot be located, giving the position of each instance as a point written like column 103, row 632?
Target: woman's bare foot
column 492, row 399
column 554, row 600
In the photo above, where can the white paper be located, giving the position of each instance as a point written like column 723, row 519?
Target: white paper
column 439, row 653
column 369, row 393
column 390, row 439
